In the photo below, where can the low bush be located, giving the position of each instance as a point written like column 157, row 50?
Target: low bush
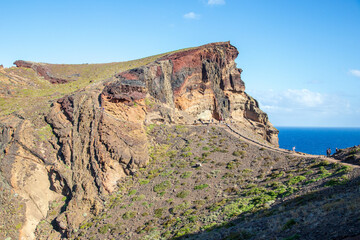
column 162, row 186
column 201, row 186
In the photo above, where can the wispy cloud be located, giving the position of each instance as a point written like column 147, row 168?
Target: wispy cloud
column 304, row 107
column 355, row 72
column 191, row 15
column 299, row 100
column 304, row 97
column 216, row 2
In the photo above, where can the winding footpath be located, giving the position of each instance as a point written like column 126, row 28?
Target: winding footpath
column 233, row 131
column 230, row 129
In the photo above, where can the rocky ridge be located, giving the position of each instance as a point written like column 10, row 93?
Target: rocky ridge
column 90, row 139
column 42, row 70
column 348, row 155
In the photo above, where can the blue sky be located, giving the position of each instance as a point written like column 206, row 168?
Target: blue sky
column 300, row 58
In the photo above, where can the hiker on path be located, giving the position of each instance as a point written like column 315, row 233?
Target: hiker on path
column 328, row 152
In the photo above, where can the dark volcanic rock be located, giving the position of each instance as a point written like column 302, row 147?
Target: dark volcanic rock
column 348, row 155
column 41, row 70
column 125, row 90
column 67, row 106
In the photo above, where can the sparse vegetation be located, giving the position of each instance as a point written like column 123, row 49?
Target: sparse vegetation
column 182, row 194
column 238, row 153
column 186, row 174
column 180, row 199
column 162, row 186
column 201, row 186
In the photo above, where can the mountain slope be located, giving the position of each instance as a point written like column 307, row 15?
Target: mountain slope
column 76, row 139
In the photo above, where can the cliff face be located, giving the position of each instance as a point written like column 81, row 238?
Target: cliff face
column 198, row 84
column 98, row 134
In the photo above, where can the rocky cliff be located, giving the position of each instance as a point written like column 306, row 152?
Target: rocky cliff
column 86, row 141
column 200, row 84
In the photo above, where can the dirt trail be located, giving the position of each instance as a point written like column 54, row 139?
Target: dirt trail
column 231, row 130
column 227, row 127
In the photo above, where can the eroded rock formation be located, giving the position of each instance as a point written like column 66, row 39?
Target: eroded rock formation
column 197, row 84
column 42, row 70
column 98, row 134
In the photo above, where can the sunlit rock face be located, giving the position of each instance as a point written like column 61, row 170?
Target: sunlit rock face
column 198, row 84
column 97, row 134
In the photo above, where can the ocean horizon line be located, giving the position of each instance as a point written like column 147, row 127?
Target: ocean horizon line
column 317, row 126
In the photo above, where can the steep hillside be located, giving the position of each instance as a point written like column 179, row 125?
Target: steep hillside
column 349, row 155
column 86, row 149
column 203, row 182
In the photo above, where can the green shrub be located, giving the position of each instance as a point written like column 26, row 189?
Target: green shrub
column 230, row 165
column 180, row 207
column 86, row 225
column 182, row 194
column 166, row 173
column 337, row 181
column 144, row 181
column 344, row 169
column 277, row 174
column 132, row 192
column 128, row 215
column 186, row 174
column 158, row 212
column 192, row 218
column 138, row 198
column 201, row 186
column 295, row 180
column 162, row 186
column 150, row 128
column 186, row 154
column 104, row 229
column 205, row 154
column 238, row 153
column 186, row 149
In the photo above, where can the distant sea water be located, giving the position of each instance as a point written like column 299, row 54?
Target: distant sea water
column 315, row 140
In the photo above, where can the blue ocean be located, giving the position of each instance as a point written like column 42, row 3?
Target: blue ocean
column 314, row 140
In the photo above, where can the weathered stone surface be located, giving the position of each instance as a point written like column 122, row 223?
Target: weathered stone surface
column 200, row 84
column 41, row 70
column 98, row 133
column 348, row 155
column 98, row 147
column 24, row 167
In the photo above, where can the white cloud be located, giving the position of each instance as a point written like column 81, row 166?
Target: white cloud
column 216, row 2
column 191, row 15
column 355, row 72
column 304, row 97
column 303, row 107
column 300, row 100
